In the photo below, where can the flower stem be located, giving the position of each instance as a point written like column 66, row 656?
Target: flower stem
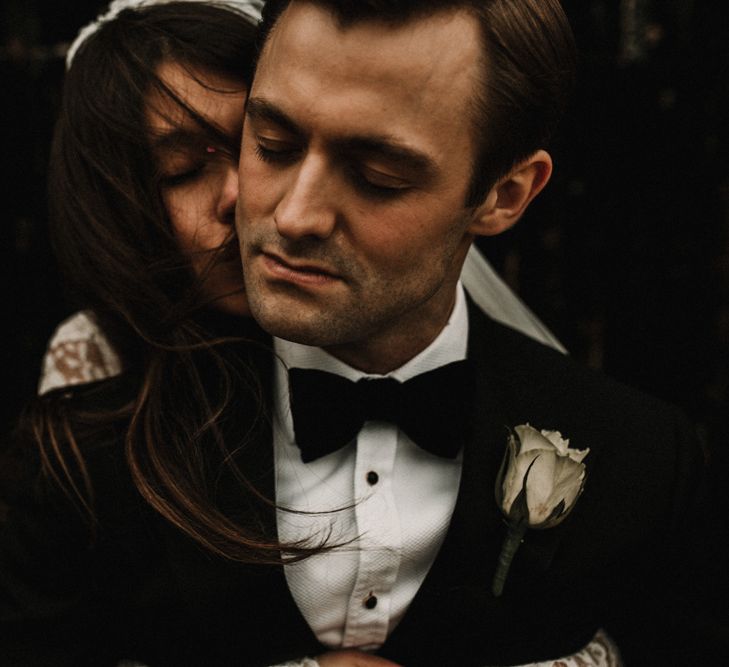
column 513, row 539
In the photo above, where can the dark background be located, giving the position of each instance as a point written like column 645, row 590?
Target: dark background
column 625, row 257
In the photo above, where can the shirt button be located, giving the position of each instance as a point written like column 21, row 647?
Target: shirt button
column 371, row 602
column 372, row 478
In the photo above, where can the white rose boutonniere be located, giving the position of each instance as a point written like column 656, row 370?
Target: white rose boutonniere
column 537, row 487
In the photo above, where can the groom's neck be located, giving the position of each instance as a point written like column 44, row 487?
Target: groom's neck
column 393, row 347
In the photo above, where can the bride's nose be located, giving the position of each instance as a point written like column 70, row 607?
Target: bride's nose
column 228, row 194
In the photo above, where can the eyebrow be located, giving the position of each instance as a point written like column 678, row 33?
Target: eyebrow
column 259, row 109
column 414, row 161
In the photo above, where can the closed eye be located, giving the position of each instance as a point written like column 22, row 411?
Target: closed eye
column 186, row 164
column 276, row 151
column 378, row 184
column 181, row 177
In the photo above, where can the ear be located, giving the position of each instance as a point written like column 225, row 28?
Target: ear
column 509, row 197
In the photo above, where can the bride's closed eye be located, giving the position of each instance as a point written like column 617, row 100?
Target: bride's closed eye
column 186, row 164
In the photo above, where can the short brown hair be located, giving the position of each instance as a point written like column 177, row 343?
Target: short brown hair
column 529, row 53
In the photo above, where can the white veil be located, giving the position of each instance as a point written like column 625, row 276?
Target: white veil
column 494, row 297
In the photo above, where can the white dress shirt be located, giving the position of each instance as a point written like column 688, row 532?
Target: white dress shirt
column 393, row 504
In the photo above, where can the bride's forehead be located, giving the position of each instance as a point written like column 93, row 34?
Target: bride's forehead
column 206, row 92
column 190, row 81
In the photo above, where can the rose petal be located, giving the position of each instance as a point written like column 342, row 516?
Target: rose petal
column 515, row 481
column 578, row 454
column 571, row 495
column 531, row 439
column 560, row 443
column 539, row 487
column 568, row 481
column 567, row 470
column 509, row 476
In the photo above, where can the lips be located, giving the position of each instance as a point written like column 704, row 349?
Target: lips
column 305, row 273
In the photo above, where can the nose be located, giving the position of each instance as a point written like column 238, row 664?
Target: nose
column 228, row 194
column 307, row 206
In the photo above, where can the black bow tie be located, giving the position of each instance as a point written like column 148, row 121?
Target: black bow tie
column 433, row 408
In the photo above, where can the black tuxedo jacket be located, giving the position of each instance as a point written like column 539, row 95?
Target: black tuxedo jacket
column 640, row 556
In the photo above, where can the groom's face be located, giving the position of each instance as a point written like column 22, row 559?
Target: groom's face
column 356, row 161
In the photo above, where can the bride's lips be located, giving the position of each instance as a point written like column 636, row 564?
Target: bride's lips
column 292, row 271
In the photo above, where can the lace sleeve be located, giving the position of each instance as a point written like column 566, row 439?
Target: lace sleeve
column 78, row 352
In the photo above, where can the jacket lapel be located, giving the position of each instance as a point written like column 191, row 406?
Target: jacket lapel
column 477, row 526
column 458, row 586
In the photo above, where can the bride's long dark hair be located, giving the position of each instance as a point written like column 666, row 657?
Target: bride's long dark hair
column 116, row 247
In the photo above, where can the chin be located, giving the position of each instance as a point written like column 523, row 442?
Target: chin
column 278, row 322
